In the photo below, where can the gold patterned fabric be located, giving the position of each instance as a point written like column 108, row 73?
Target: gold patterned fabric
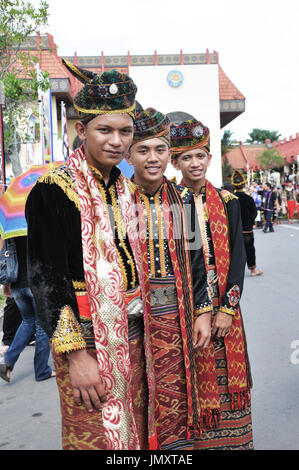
column 159, row 260
column 169, row 367
column 68, row 335
column 82, row 430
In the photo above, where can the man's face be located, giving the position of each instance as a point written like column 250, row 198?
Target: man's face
column 150, row 158
column 193, row 165
column 106, row 139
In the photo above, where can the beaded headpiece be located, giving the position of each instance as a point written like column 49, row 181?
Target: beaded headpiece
column 106, row 93
column 189, row 135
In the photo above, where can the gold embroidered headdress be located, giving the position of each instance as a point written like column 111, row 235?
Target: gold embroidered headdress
column 105, row 93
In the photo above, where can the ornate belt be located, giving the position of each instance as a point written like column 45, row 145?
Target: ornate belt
column 163, row 295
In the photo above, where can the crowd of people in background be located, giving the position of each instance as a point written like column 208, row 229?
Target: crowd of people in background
column 262, row 205
column 274, row 203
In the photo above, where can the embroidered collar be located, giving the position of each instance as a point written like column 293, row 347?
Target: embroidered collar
column 201, row 191
column 114, row 175
column 139, row 188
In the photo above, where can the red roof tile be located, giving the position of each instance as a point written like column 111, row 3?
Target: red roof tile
column 245, row 156
column 240, row 157
column 50, row 61
column 227, row 90
column 288, row 148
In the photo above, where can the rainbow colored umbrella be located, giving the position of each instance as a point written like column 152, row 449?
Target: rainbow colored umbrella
column 12, row 202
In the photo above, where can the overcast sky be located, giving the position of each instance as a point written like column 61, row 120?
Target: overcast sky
column 257, row 42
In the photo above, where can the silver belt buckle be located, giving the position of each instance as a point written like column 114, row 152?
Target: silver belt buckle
column 134, row 309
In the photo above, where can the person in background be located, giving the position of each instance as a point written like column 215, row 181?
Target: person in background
column 11, row 321
column 291, row 202
column 248, row 216
column 297, row 200
column 23, row 297
column 257, row 197
column 268, row 207
column 278, row 204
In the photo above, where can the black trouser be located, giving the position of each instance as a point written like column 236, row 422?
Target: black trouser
column 250, row 249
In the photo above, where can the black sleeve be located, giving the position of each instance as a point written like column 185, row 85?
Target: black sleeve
column 252, row 209
column 234, row 288
column 52, row 223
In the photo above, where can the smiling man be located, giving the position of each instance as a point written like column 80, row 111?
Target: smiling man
column 86, row 276
column 174, row 329
column 223, row 366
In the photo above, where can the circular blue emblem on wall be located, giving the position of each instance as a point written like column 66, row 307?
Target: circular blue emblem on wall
column 175, row 78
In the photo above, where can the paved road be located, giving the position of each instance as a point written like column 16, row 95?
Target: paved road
column 270, row 306
column 29, row 411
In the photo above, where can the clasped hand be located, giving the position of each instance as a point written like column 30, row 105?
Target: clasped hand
column 206, row 327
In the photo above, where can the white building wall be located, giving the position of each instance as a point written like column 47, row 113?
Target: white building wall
column 198, row 95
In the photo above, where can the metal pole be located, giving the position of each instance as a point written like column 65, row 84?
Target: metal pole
column 40, row 110
column 51, row 126
column 2, row 150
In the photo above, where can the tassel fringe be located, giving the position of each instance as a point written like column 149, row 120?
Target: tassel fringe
column 210, row 418
column 240, row 400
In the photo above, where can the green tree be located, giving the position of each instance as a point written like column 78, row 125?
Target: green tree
column 259, row 136
column 227, row 142
column 270, row 158
column 227, row 171
column 18, row 20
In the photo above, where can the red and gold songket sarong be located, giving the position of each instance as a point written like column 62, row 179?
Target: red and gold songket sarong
column 82, row 430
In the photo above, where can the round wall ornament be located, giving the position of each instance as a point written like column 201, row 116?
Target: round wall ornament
column 175, row 78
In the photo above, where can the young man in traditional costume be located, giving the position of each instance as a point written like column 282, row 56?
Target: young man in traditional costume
column 86, row 276
column 175, row 331
column 248, row 215
column 223, row 367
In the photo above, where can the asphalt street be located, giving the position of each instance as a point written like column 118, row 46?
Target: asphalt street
column 29, row 411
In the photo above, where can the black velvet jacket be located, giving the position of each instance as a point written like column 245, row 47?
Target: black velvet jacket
column 228, row 303
column 248, row 210
column 55, row 259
